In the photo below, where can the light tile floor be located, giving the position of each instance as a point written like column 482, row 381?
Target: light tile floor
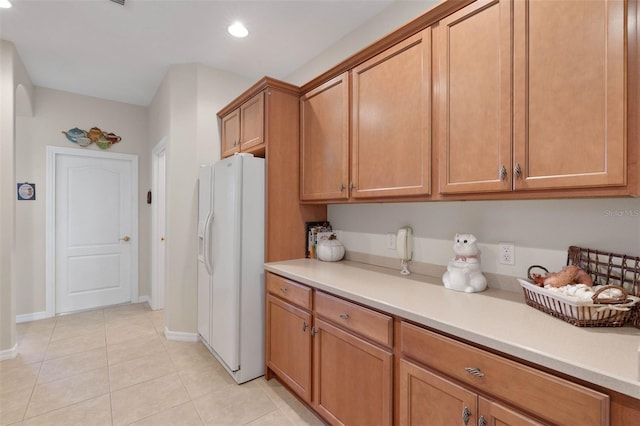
column 113, row 366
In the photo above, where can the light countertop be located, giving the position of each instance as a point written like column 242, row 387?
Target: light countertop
column 498, row 319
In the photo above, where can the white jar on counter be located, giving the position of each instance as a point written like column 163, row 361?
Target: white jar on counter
column 330, row 250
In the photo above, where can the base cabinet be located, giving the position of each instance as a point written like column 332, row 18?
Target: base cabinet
column 289, row 345
column 541, row 395
column 352, row 378
column 350, row 381
column 428, row 398
column 357, row 366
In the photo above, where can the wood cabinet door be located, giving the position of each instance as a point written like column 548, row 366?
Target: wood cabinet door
column 426, row 398
column 352, row 378
column 288, row 345
column 324, row 141
column 569, row 93
column 495, row 414
column 474, row 98
column 230, row 142
column 252, row 123
column 391, row 121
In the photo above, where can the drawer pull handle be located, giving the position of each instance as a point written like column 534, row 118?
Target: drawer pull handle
column 466, row 415
column 283, row 289
column 474, row 371
column 503, row 173
column 482, row 421
column 344, row 316
column 517, row 171
column 304, row 326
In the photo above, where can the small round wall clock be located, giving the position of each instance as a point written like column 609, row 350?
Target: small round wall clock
column 26, row 191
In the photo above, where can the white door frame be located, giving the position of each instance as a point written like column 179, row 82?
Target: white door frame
column 158, row 283
column 50, row 232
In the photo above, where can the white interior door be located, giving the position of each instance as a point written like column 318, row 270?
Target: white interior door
column 95, row 231
column 158, row 244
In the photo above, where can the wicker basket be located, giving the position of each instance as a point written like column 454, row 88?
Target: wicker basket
column 605, row 268
column 579, row 312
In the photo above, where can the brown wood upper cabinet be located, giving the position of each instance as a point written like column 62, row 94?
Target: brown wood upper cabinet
column 390, row 111
column 391, row 121
column 265, row 118
column 243, row 128
column 324, row 141
column 231, row 133
column 547, row 113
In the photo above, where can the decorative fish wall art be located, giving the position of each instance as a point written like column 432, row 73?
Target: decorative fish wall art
column 85, row 138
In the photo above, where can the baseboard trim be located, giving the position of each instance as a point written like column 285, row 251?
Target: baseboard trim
column 34, row 316
column 9, row 353
column 143, row 299
column 180, row 336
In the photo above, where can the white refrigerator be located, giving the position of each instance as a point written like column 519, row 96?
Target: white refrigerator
column 230, row 263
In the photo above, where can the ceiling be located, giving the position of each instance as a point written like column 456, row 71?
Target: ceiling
column 99, row 48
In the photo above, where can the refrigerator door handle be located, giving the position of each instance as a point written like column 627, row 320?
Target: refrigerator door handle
column 207, row 255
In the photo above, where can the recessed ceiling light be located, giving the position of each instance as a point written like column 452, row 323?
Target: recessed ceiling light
column 237, row 30
column 5, row 4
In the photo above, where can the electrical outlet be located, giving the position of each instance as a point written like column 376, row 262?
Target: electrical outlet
column 507, row 253
column 391, row 241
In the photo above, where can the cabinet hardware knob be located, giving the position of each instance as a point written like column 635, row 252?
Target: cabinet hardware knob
column 125, row 239
column 161, row 238
column 352, row 186
column 283, row 289
column 482, row 421
column 344, row 316
column 503, row 173
column 304, row 326
column 314, row 331
column 517, row 171
column 342, row 187
column 474, row 371
column 466, row 415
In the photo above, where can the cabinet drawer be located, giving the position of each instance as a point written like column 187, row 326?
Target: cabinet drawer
column 551, row 398
column 368, row 323
column 289, row 290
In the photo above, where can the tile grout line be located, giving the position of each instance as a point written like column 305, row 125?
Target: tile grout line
column 106, row 348
column 288, row 416
column 33, row 389
column 195, row 407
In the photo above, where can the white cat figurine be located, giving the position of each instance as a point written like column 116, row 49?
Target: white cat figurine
column 463, row 272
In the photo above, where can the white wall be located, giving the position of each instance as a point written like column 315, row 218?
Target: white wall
column 16, row 93
column 392, row 17
column 541, row 229
column 56, row 111
column 184, row 112
column 215, row 90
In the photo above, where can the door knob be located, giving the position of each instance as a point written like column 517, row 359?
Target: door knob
column 125, row 239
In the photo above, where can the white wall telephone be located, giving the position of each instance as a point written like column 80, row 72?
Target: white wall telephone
column 404, row 247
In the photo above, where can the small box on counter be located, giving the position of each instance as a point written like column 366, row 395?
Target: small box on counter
column 315, row 232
